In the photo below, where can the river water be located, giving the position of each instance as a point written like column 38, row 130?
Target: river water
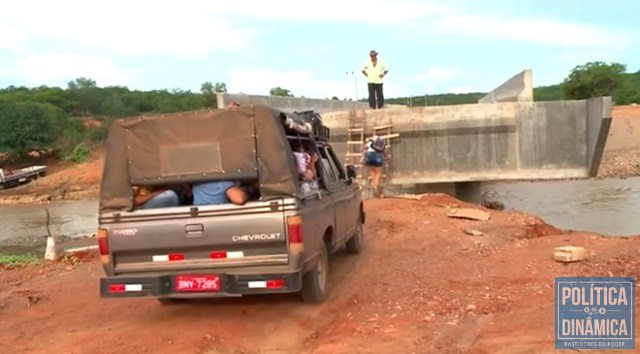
column 68, row 219
column 606, row 206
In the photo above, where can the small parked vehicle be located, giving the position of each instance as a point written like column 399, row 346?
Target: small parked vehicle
column 12, row 178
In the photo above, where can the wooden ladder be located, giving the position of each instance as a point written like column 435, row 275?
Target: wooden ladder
column 355, row 141
column 386, row 133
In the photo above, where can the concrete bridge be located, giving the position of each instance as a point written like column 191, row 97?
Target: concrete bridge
column 506, row 136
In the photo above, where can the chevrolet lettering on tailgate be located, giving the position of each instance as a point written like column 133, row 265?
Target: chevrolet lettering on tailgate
column 256, row 237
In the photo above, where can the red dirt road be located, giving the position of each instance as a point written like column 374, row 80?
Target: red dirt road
column 421, row 285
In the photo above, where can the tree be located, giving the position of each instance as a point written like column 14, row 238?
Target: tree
column 335, row 98
column 279, row 91
column 209, row 91
column 594, row 79
column 24, row 126
column 82, row 83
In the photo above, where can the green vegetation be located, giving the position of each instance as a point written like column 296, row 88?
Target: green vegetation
column 279, row 91
column 51, row 118
column 55, row 119
column 17, row 260
column 584, row 81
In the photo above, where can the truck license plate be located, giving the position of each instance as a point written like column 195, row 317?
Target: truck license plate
column 197, row 283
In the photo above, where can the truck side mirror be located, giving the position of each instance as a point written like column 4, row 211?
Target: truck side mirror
column 351, row 171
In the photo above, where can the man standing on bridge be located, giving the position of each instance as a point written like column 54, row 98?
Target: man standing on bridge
column 374, row 70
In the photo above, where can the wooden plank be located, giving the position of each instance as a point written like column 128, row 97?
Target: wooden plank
column 351, row 130
column 383, row 127
column 389, row 136
column 355, row 142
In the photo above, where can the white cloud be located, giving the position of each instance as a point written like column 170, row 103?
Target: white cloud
column 437, row 73
column 534, row 30
column 41, row 69
column 12, row 38
column 304, row 83
column 380, row 12
column 188, row 28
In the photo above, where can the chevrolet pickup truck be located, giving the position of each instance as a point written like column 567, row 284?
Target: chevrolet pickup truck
column 277, row 242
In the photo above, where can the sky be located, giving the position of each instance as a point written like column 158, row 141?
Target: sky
column 311, row 47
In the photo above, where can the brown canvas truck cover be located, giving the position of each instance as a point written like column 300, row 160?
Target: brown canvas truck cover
column 243, row 143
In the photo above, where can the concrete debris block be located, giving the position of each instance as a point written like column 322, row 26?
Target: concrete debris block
column 469, row 213
column 473, row 232
column 569, row 254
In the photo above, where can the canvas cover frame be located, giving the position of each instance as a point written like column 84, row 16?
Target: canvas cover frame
column 171, row 149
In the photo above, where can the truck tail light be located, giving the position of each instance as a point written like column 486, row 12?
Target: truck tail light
column 103, row 245
column 294, row 229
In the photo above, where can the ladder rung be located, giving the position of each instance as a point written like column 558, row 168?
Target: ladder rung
column 389, row 136
column 354, row 154
column 383, row 127
column 355, row 130
column 355, row 142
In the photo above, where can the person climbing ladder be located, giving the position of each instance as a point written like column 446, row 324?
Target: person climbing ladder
column 373, row 158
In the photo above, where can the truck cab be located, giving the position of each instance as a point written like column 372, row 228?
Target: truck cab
column 277, row 241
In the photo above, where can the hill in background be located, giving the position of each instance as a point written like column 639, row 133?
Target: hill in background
column 627, row 95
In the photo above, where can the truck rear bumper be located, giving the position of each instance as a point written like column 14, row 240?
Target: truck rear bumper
column 229, row 285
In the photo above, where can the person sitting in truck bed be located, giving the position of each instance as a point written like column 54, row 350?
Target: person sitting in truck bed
column 218, row 192
column 306, row 166
column 146, row 197
column 305, row 162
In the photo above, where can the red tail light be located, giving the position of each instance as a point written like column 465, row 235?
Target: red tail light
column 275, row 283
column 103, row 243
column 294, row 229
column 117, row 288
column 176, row 257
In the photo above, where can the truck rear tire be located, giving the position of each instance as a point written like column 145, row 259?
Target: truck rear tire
column 314, row 283
column 356, row 242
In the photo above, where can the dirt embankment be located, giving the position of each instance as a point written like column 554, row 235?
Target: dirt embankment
column 66, row 181
column 421, row 285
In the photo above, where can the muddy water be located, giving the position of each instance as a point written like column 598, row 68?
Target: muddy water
column 607, row 206
column 68, row 219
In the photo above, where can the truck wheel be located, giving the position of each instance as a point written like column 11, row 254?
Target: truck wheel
column 314, row 283
column 356, row 242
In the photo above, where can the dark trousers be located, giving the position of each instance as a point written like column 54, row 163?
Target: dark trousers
column 376, row 98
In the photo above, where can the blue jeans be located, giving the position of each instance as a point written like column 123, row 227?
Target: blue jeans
column 373, row 158
column 211, row 193
column 165, row 199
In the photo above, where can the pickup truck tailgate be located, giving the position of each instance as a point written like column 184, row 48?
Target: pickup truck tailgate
column 188, row 238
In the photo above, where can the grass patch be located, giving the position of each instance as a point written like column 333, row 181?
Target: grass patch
column 17, row 260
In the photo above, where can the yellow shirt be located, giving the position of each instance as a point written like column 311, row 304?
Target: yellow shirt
column 374, row 72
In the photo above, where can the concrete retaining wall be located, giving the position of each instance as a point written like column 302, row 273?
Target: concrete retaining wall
column 480, row 142
column 290, row 104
